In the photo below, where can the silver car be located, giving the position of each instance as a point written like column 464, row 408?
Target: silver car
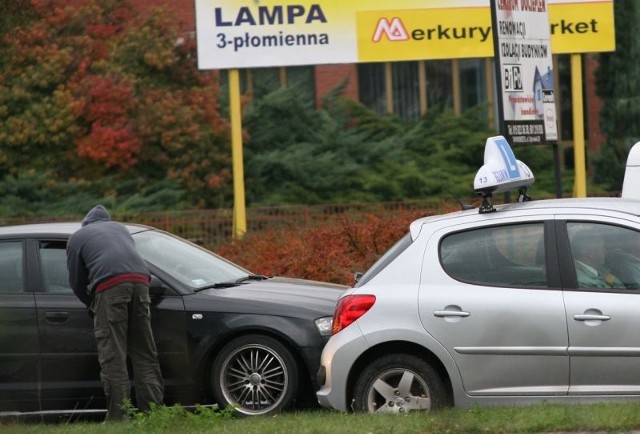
column 509, row 304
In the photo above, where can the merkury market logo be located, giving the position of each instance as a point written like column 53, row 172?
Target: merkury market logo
column 395, row 30
column 266, row 16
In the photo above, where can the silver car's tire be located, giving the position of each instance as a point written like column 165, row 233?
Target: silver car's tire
column 398, row 383
column 256, row 374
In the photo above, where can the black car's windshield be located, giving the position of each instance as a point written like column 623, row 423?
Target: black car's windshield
column 186, row 262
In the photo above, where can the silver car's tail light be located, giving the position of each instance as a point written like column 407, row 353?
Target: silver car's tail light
column 349, row 309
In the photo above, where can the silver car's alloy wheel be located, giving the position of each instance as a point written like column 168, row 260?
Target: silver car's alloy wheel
column 398, row 384
column 256, row 375
column 398, row 391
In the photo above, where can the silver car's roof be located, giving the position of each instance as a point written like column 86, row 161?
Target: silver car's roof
column 602, row 204
column 627, row 206
column 617, row 204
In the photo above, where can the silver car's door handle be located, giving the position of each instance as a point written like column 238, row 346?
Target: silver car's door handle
column 456, row 313
column 591, row 317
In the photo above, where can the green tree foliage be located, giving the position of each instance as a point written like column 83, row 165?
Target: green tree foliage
column 91, row 91
column 618, row 83
column 343, row 152
column 33, row 194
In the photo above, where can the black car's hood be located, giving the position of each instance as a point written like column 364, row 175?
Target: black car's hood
column 287, row 295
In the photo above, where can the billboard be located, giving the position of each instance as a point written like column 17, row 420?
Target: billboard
column 250, row 33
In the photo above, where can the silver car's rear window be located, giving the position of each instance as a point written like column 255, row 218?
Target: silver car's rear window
column 509, row 255
column 395, row 250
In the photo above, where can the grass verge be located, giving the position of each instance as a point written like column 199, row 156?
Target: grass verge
column 542, row 418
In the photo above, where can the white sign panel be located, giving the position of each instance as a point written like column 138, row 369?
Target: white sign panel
column 254, row 34
column 525, row 67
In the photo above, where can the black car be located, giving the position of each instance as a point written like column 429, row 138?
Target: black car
column 224, row 335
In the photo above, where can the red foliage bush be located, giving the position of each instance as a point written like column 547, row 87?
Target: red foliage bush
column 330, row 252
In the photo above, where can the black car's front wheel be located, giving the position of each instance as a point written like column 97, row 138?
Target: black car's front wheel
column 399, row 383
column 256, row 374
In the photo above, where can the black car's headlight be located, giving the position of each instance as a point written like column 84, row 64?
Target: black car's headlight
column 324, row 325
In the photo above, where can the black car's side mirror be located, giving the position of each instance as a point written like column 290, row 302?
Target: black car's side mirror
column 157, row 287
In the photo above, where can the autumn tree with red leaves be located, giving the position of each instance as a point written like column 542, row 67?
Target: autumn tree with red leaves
column 90, row 90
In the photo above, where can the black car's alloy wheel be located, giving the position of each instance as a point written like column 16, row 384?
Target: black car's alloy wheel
column 256, row 374
column 398, row 383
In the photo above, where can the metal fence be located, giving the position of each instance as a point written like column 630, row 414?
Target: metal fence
column 213, row 227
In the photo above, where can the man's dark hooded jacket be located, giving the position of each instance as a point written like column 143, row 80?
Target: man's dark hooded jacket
column 101, row 254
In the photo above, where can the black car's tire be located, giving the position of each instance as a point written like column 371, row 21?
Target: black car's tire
column 399, row 383
column 256, row 374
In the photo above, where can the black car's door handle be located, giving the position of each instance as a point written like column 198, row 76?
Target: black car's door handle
column 56, row 316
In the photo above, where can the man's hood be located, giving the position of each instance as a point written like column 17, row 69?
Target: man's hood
column 97, row 214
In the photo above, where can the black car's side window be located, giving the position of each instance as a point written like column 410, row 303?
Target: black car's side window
column 53, row 266
column 11, row 267
column 510, row 255
column 605, row 256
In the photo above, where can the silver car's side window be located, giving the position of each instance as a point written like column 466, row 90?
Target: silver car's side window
column 510, row 255
column 53, row 268
column 11, row 267
column 605, row 256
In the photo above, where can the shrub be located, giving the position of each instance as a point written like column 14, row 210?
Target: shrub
column 330, row 252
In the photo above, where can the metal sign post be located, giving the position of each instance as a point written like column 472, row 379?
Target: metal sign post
column 235, row 110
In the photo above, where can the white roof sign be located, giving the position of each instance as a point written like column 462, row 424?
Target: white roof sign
column 501, row 170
